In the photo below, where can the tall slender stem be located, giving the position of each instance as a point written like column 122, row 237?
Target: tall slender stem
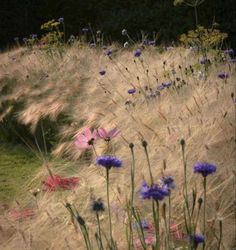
column 185, row 191
column 169, row 218
column 108, row 205
column 155, row 210
column 99, row 232
column 94, row 150
column 144, row 143
column 204, row 210
column 132, row 173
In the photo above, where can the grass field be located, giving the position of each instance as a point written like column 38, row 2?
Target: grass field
column 17, row 166
column 175, row 98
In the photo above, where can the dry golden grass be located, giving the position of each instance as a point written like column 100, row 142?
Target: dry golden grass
column 202, row 112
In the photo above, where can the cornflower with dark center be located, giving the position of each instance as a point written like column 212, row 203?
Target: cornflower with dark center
column 204, row 168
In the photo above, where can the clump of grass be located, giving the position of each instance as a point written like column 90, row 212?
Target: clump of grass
column 17, row 166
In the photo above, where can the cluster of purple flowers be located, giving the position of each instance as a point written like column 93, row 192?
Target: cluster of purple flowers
column 149, row 42
column 223, row 75
column 229, row 52
column 156, row 192
column 164, row 85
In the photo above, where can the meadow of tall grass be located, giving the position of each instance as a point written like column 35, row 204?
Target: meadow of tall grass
column 163, row 178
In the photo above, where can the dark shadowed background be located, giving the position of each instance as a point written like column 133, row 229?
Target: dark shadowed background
column 20, row 18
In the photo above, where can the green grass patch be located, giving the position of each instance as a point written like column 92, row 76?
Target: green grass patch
column 17, row 166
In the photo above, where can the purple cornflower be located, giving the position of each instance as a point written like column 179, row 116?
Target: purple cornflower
column 160, row 87
column 98, row 205
column 229, row 52
column 144, row 223
column 102, row 72
column 168, row 181
column 197, row 239
column 85, row 30
column 131, row 91
column 154, row 191
column 203, row 60
column 152, row 95
column 232, row 60
column 61, row 20
column 108, row 52
column 137, row 53
column 166, row 84
column 223, row 75
column 151, row 42
column 109, row 161
column 204, row 168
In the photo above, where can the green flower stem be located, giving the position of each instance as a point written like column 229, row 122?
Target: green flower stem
column 204, row 210
column 140, row 228
column 155, row 210
column 220, row 238
column 130, row 232
column 131, row 146
column 144, row 143
column 99, row 231
column 186, row 187
column 94, row 150
column 169, row 218
column 108, row 205
column 132, row 173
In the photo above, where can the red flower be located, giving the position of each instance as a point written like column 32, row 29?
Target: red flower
column 22, row 214
column 53, row 183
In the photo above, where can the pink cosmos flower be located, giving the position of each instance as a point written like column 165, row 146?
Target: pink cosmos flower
column 149, row 240
column 178, row 235
column 107, row 136
column 86, row 139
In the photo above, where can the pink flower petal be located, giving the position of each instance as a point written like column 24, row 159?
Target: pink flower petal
column 102, row 133
column 81, row 138
column 88, row 134
column 95, row 134
column 113, row 132
column 82, row 145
